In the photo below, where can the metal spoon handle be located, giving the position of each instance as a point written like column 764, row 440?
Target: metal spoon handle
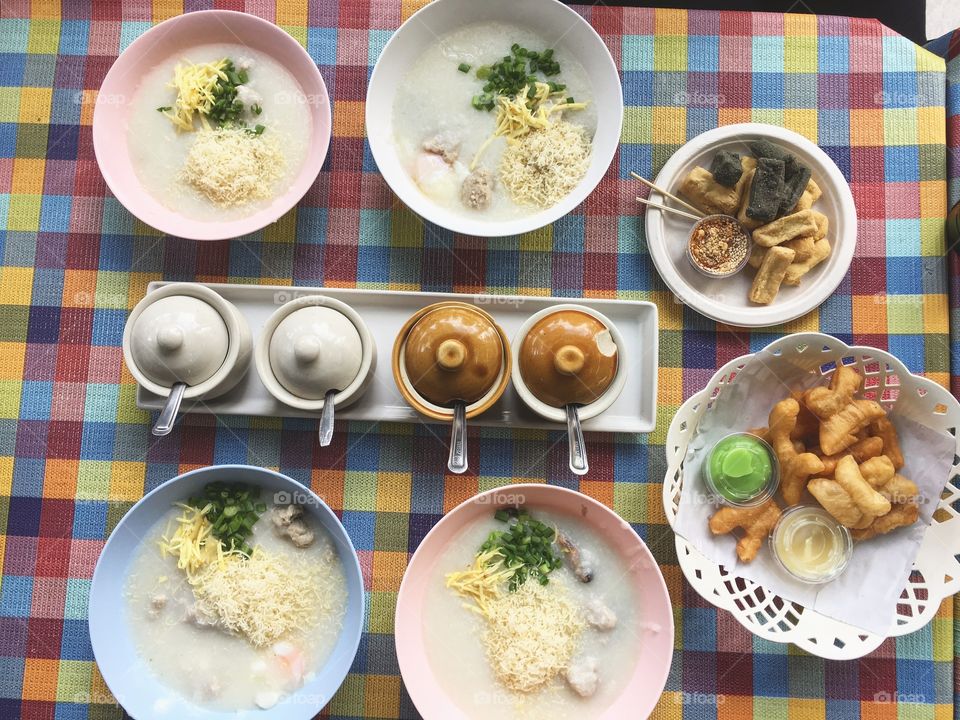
column 578, row 448
column 457, row 462
column 326, row 419
column 168, row 416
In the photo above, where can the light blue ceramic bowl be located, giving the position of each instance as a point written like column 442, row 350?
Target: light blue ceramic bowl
column 135, row 686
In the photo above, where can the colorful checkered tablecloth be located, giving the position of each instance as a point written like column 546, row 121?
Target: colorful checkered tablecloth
column 75, row 453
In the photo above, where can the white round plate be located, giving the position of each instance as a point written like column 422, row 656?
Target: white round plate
column 725, row 300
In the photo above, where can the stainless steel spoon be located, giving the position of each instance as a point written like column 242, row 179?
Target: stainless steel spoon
column 578, row 448
column 457, row 462
column 168, row 415
column 326, row 419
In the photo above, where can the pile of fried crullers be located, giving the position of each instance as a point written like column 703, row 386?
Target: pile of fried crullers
column 844, row 451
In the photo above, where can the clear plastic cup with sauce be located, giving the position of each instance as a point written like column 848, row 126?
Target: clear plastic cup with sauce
column 810, row 545
column 718, row 246
column 741, row 470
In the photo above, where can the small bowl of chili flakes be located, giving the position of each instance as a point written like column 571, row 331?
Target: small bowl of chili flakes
column 719, row 246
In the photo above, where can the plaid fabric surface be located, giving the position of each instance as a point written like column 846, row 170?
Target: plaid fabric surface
column 75, row 453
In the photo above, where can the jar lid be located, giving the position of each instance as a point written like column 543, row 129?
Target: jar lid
column 315, row 349
column 568, row 357
column 453, row 352
column 179, row 338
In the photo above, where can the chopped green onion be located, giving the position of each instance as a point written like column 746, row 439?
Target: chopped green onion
column 164, row 108
column 230, row 510
column 463, row 67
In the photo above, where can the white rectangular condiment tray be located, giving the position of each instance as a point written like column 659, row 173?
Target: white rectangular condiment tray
column 386, row 311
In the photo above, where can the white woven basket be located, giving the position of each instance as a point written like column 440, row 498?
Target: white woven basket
column 936, row 572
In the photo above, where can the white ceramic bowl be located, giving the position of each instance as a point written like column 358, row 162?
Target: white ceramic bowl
column 239, row 341
column 550, row 19
column 585, row 411
column 725, row 299
column 350, row 393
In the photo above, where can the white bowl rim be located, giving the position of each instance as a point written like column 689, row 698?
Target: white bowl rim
column 231, row 318
column 756, row 315
column 421, row 205
column 191, row 229
column 351, row 569
column 351, row 392
column 584, row 411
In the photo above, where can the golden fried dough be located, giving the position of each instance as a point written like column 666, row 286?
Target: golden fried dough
column 704, row 192
column 826, row 401
column 795, row 467
column 756, row 522
column 797, row 269
column 802, row 246
column 839, row 431
column 823, row 225
column 861, row 450
column 899, row 516
column 900, row 490
column 867, row 500
column 835, row 500
column 788, row 227
column 876, row 470
column 766, row 283
column 883, row 428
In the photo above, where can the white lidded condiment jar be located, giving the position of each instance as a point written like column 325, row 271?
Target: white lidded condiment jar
column 311, row 345
column 315, row 349
column 184, row 332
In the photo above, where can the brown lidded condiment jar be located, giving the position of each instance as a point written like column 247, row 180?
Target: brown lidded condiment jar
column 568, row 357
column 451, row 351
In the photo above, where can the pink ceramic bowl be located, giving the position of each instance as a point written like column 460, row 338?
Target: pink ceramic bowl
column 654, row 651
column 177, row 36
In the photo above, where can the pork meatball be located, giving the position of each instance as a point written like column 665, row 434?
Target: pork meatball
column 599, row 615
column 477, row 189
column 582, row 676
column 288, row 523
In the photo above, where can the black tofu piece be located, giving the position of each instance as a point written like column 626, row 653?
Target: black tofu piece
column 766, row 149
column 796, row 175
column 766, row 190
column 726, row 168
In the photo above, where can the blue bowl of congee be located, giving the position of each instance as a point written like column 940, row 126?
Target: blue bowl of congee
column 228, row 591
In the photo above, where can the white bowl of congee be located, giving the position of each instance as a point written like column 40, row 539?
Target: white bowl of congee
column 229, row 591
column 494, row 118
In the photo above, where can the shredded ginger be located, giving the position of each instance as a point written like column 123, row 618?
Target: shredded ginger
column 531, row 635
column 232, row 166
column 542, row 167
column 482, row 582
column 520, row 115
column 194, row 83
column 192, row 543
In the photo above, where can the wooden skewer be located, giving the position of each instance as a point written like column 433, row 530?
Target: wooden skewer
column 666, row 208
column 698, row 213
